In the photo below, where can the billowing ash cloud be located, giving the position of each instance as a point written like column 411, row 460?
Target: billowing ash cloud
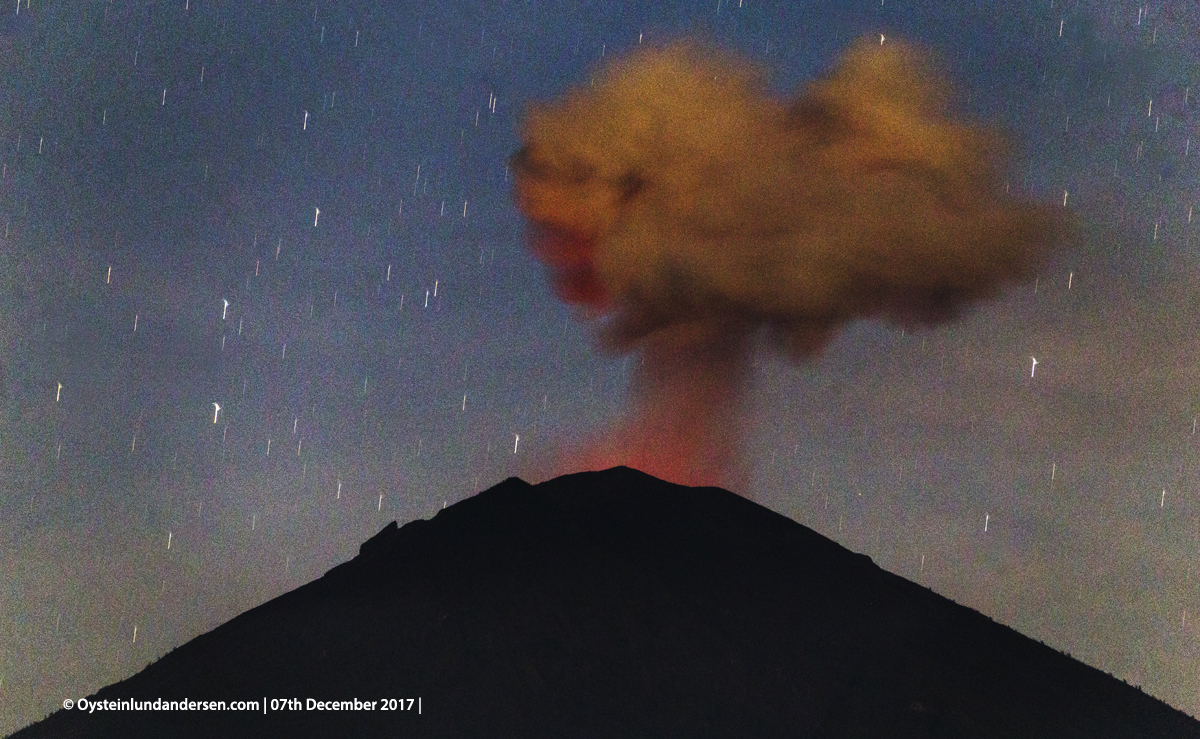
column 692, row 208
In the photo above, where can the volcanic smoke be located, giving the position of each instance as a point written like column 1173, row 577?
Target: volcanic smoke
column 696, row 213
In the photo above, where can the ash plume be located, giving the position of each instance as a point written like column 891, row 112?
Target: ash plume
column 695, row 211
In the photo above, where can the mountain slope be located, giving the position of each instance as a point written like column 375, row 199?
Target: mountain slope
column 613, row 604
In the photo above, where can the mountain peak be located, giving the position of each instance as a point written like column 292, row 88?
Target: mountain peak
column 615, row 604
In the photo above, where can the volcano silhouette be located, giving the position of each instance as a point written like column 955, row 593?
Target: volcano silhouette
column 613, row 604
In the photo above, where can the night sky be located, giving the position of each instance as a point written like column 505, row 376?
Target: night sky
column 263, row 290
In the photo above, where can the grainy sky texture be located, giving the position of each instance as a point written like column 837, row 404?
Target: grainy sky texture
column 263, row 289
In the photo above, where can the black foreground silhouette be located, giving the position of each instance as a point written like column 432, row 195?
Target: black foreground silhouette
column 613, row 604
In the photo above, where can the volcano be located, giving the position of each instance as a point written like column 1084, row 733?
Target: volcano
column 613, row 604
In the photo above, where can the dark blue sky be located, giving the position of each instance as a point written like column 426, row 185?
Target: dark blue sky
column 160, row 159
